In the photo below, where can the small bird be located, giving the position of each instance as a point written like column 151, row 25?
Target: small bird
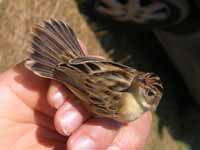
column 105, row 88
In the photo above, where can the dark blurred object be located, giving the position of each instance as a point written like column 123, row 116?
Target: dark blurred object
column 184, row 51
column 175, row 22
column 182, row 44
column 148, row 13
column 197, row 2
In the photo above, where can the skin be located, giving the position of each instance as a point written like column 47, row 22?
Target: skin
column 29, row 104
column 40, row 114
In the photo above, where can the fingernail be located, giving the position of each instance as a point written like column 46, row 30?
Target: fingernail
column 83, row 143
column 70, row 121
column 113, row 147
column 58, row 99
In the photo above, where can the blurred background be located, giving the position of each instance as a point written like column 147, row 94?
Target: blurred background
column 161, row 36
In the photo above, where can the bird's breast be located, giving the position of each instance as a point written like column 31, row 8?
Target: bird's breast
column 130, row 109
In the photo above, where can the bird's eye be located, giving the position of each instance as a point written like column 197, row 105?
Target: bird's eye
column 150, row 93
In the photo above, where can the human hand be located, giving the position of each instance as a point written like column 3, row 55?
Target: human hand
column 33, row 109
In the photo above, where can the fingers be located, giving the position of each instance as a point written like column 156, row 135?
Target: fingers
column 69, row 117
column 94, row 134
column 107, row 134
column 70, row 114
column 134, row 135
column 57, row 94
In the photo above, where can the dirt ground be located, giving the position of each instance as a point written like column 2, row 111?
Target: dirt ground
column 171, row 126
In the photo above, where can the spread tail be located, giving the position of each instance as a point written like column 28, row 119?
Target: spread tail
column 52, row 44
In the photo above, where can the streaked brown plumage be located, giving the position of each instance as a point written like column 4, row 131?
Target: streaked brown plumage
column 105, row 88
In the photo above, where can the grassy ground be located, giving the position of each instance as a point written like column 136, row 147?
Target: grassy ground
column 19, row 16
column 176, row 124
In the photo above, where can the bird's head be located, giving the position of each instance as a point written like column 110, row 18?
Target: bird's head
column 147, row 89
